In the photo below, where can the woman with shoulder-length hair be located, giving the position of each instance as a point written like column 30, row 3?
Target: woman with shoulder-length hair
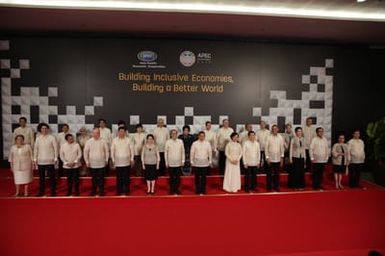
column 150, row 163
column 233, row 152
column 20, row 158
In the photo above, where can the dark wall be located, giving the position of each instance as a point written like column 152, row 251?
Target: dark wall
column 84, row 68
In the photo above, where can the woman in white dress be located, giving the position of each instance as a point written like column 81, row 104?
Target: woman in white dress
column 233, row 152
column 20, row 158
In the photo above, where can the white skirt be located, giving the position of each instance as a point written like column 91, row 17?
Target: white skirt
column 22, row 177
column 232, row 178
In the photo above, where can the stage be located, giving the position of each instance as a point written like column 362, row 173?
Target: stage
column 332, row 222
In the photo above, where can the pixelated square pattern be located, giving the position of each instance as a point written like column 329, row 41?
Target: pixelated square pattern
column 30, row 96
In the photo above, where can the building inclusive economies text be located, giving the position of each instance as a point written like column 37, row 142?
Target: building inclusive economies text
column 180, row 83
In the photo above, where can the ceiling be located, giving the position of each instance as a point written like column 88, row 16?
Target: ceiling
column 298, row 24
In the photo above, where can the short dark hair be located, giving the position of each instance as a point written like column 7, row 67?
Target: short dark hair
column 150, row 136
column 233, row 135
column 19, row 135
column 138, row 126
column 102, row 119
column 318, row 128
column 201, row 132
column 67, row 136
column 207, row 122
column 274, row 125
column 121, row 128
column 250, row 132
column 23, row 118
column 356, row 130
column 186, row 127
column 121, row 122
column 41, row 125
column 64, row 125
column 297, row 129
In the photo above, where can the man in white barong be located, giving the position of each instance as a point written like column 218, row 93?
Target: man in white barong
column 161, row 135
column 174, row 156
column 275, row 152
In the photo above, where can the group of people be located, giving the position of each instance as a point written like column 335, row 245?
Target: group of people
column 150, row 155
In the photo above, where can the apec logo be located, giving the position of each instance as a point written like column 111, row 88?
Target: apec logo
column 187, row 58
column 147, row 56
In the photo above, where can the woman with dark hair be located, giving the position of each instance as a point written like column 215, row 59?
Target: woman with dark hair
column 297, row 158
column 233, row 152
column 340, row 160
column 20, row 158
column 188, row 140
column 150, row 162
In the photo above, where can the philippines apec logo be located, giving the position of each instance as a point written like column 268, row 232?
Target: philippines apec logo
column 187, row 58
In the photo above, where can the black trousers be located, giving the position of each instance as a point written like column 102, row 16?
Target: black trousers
column 355, row 174
column 162, row 164
column 51, row 173
column 318, row 174
column 98, row 179
column 263, row 163
column 308, row 161
column 122, row 179
column 60, row 168
column 251, row 178
column 175, row 173
column 138, row 166
column 272, row 176
column 222, row 162
column 72, row 177
column 297, row 173
column 200, row 179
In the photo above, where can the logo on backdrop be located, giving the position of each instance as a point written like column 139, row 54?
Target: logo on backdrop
column 187, row 58
column 147, row 59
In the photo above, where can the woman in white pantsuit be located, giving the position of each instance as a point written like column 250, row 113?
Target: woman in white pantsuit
column 233, row 152
column 20, row 158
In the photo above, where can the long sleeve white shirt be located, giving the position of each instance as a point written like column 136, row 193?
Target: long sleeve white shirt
column 308, row 135
column 243, row 136
column 223, row 137
column 96, row 153
column 138, row 140
column 251, row 153
column 174, row 153
column 211, row 137
column 45, row 150
column 122, row 152
column 28, row 134
column 319, row 150
column 275, row 148
column 161, row 135
column 262, row 135
column 105, row 134
column 201, row 154
column 297, row 148
column 356, row 148
column 70, row 153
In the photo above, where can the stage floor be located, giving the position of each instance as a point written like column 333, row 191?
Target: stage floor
column 332, row 222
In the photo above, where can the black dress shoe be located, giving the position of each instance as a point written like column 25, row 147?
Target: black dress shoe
column 40, row 195
column 92, row 194
column 53, row 194
column 102, row 194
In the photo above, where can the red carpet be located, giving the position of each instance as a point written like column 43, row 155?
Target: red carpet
column 349, row 222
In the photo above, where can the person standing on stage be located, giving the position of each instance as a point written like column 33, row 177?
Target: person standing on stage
column 71, row 154
column 174, row 156
column 20, row 159
column 308, row 134
column 161, row 135
column 138, row 140
column 211, row 137
column 45, row 156
column 60, row 141
column 340, row 154
column 251, row 161
column 356, row 159
column 244, row 135
column 201, row 159
column 122, row 155
column 275, row 152
column 82, row 139
column 232, row 176
column 262, row 135
column 96, row 155
column 26, row 131
column 319, row 155
column 297, row 157
column 150, row 163
column 223, row 137
column 188, row 140
column 288, row 136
